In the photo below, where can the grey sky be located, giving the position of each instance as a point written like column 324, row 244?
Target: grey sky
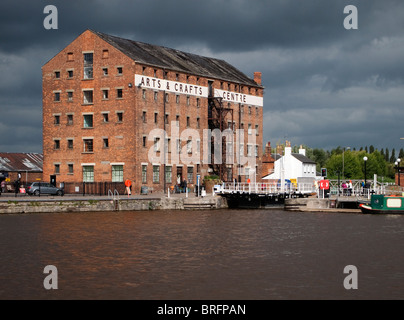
column 325, row 86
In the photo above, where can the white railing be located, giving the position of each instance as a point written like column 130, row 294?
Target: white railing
column 267, row 188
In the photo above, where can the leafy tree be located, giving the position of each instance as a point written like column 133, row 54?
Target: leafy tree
column 393, row 156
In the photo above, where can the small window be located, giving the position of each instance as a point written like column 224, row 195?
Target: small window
column 105, row 53
column 156, row 144
column 169, row 174
column 144, row 93
column 88, row 145
column 105, row 71
column 88, row 121
column 70, row 96
column 177, row 98
column 256, row 130
column 70, row 56
column 155, row 117
column 119, row 93
column 119, row 116
column 144, row 117
column 177, row 77
column 69, row 74
column 57, row 168
column 144, row 173
column 70, row 144
column 57, row 74
column 70, row 168
column 144, row 141
column 56, row 97
column 105, row 94
column 190, row 174
column 56, row 119
column 119, row 70
column 167, row 97
column 177, row 120
column 198, row 123
column 155, row 96
column 69, row 119
column 249, row 128
column 155, row 73
column 105, row 142
column 88, row 97
column 188, row 101
column 188, row 121
column 56, row 144
column 105, row 117
column 166, row 119
column 198, row 102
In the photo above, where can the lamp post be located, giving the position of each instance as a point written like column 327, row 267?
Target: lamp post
column 365, row 159
column 398, row 170
column 343, row 161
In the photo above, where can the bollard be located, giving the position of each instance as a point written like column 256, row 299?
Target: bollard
column 168, row 193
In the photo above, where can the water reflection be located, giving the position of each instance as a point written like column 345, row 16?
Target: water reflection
column 224, row 254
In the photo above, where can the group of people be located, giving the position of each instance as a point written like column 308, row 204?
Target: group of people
column 347, row 188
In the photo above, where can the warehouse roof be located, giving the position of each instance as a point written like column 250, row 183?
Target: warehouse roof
column 177, row 60
column 14, row 162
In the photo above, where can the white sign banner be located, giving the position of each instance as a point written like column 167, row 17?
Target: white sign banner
column 195, row 90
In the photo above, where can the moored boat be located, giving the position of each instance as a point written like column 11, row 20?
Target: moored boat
column 384, row 204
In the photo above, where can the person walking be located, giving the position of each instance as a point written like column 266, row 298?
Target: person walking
column 16, row 187
column 3, row 186
column 128, row 185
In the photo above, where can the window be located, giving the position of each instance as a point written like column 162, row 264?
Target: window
column 70, row 56
column 105, row 142
column 188, row 101
column 155, row 73
column 88, row 121
column 88, row 145
column 256, row 150
column 256, row 130
column 88, row 65
column 249, row 109
column 104, row 71
column 177, row 119
column 156, row 144
column 190, row 175
column 117, row 173
column 105, row 94
column 144, row 141
column 155, row 95
column 57, row 74
column 119, row 116
column 257, row 112
column 144, row 173
column 177, row 98
column 144, row 93
column 69, row 143
column 167, row 97
column 168, row 145
column 156, row 174
column 56, row 97
column 69, row 119
column 70, row 96
column 189, row 146
column 198, row 123
column 88, row 173
column 155, row 117
column 166, row 119
column 178, row 146
column 177, row 77
column 88, row 96
column 119, row 70
column 169, row 174
column 56, row 119
column 119, row 93
column 69, row 74
column 105, row 53
column 249, row 150
column 144, row 117
column 249, row 128
column 143, row 70
column 70, row 168
column 57, row 168
column 198, row 102
column 56, row 144
column 105, row 117
column 247, row 174
column 188, row 121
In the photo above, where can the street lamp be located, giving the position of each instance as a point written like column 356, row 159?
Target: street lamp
column 398, row 170
column 343, row 161
column 365, row 159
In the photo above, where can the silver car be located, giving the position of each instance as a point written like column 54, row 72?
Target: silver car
column 37, row 188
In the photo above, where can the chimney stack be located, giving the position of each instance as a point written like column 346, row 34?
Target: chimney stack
column 257, row 77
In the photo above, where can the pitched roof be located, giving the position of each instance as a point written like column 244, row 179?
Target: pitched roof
column 177, row 60
column 303, row 158
column 13, row 162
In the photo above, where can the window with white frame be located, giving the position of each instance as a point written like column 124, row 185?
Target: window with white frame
column 156, row 174
column 88, row 173
column 117, row 173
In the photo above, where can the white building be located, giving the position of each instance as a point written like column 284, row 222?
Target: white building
column 293, row 166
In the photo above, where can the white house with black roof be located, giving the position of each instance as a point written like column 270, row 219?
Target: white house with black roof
column 293, row 166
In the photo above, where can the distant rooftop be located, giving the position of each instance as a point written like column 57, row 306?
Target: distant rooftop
column 13, row 162
column 177, row 60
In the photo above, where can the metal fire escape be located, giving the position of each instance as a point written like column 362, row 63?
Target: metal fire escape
column 217, row 114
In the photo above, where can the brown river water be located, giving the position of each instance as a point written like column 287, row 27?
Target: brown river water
column 202, row 255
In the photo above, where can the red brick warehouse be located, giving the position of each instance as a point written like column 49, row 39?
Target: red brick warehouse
column 103, row 95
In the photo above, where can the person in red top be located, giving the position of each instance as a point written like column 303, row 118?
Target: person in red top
column 128, row 185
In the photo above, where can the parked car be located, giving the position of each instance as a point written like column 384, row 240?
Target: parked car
column 37, row 188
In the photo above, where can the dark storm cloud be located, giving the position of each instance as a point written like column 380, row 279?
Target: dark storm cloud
column 325, row 86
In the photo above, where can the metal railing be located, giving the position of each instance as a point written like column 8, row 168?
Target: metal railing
column 267, row 188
